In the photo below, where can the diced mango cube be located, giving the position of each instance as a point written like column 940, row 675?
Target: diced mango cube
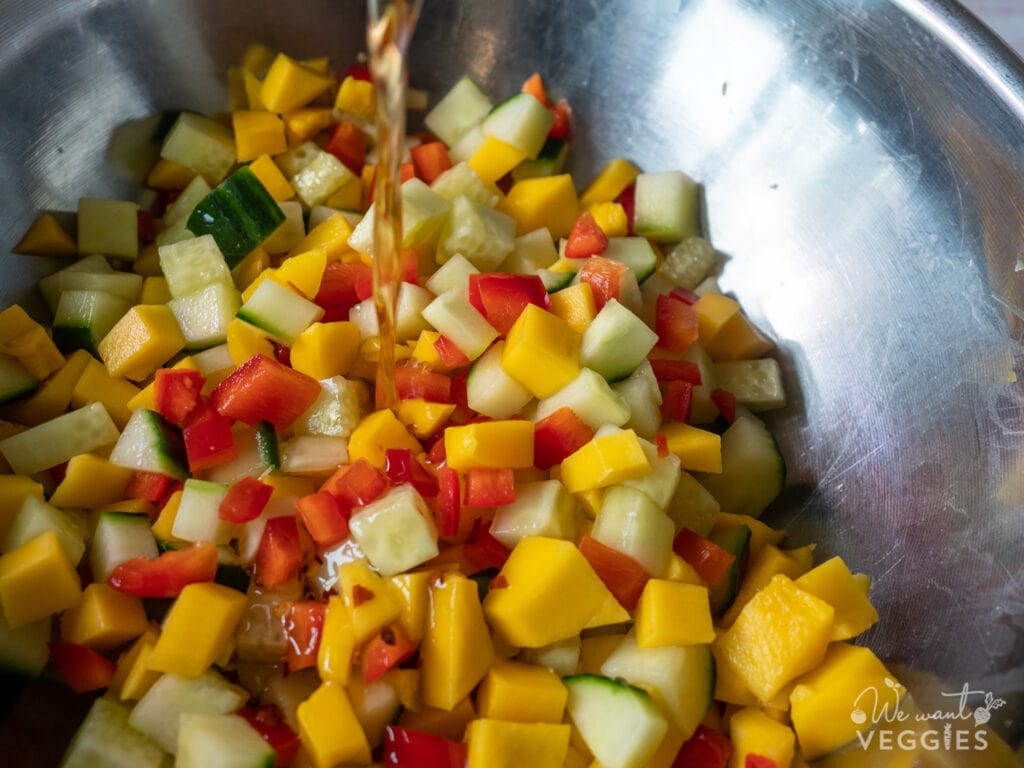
column 154, row 290
column 375, row 434
column 542, row 351
column 46, row 237
column 682, row 571
column 331, row 234
column 673, row 613
column 753, row 732
column 545, row 201
column 289, row 85
column 271, row 178
column 760, row 533
column 104, row 619
column 133, row 677
column 246, row 340
column 611, row 218
column 37, row 580
column 424, row 417
column 698, row 449
column 604, row 461
column 35, row 350
column 145, row 338
column 14, row 489
column 370, row 598
column 303, row 124
column 575, row 305
column 780, row 634
column 97, row 385
column 413, row 591
column 725, row 331
column 215, row 608
column 446, row 723
column 326, row 349
column 356, row 97
column 768, row 562
column 495, row 158
column 610, row 182
column 89, row 482
column 832, row 582
column 54, row 396
column 164, row 524
column 490, row 444
column 169, row 175
column 337, row 642
column 329, row 728
column 503, row 744
column 257, row 133
column 522, row 693
column 303, row 272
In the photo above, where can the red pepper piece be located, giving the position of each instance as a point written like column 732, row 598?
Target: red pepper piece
column 450, row 354
column 624, row 576
column 385, row 650
column 415, row 749
column 402, row 467
column 245, row 500
column 627, row 199
column 407, row 172
column 676, row 399
column 268, row 721
column 726, row 402
column 168, row 574
column 662, row 443
column 348, row 144
column 279, row 556
column 358, row 71
column 684, row 295
column 149, row 486
column 449, row 502
column 676, row 370
column 413, row 382
column 490, row 487
column 708, row 559
column 707, row 748
column 758, row 761
column 501, row 297
column 82, row 669
column 604, row 277
column 586, row 238
column 482, row 550
column 562, row 127
column 676, row 323
column 208, row 440
column 261, row 389
column 324, row 518
column 430, row 160
column 356, row 485
column 339, row 288
column 177, row 392
column 146, row 226
column 303, row 629
column 558, row 435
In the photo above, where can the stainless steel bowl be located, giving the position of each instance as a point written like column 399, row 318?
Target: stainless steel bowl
column 863, row 163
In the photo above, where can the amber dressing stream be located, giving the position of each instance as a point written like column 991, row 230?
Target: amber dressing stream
column 390, row 25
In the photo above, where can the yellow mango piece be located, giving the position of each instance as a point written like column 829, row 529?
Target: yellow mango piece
column 246, row 340
column 542, row 351
column 46, row 237
column 530, row 614
column 446, row 723
column 490, row 444
column 257, row 59
column 545, row 201
column 133, row 677
column 375, row 434
column 413, row 591
column 303, row 272
column 698, row 449
column 832, row 582
column 164, row 524
column 182, row 650
column 54, row 396
column 730, row 688
column 768, row 562
column 680, row 570
column 104, row 618
column 673, row 613
column 595, row 649
column 863, row 581
column 349, row 197
column 330, row 730
column 257, row 133
column 271, row 178
column 725, row 331
column 267, row 273
column 495, row 158
column 169, row 175
column 610, row 182
column 590, row 501
column 37, row 580
column 331, row 235
column 604, row 461
column 522, row 693
column 760, row 533
column 780, row 634
column 610, row 613
column 252, row 85
column 145, row 338
column 326, row 349
column 90, row 482
column 370, row 598
column 246, row 272
column 611, row 218
column 575, row 305
column 289, row 85
column 283, row 486
column 826, row 701
column 14, row 489
column 423, row 417
column 303, row 124
column 356, row 97
column 425, row 353
column 337, row 642
column 503, row 744
column 14, row 321
column 147, row 264
column 456, row 650
column 753, row 732
column 154, row 290
column 36, row 351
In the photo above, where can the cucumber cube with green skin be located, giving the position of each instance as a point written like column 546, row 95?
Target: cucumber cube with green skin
column 313, row 454
column 616, row 342
column 36, row 517
column 147, row 443
column 55, row 441
column 321, row 178
column 83, row 318
column 757, row 384
column 200, row 144
column 591, row 398
column 23, row 650
column 735, row 541
column 454, row 273
column 185, row 203
column 666, row 206
column 119, row 537
column 635, row 252
column 198, row 517
column 110, row 227
column 692, row 506
column 396, row 531
column 630, row 522
column 660, row 484
column 453, row 315
column 424, row 213
column 279, row 311
column 532, row 251
column 543, row 508
column 753, row 470
column 484, row 236
column 463, row 107
column 204, row 316
column 221, row 741
column 521, row 121
column 106, row 738
column 461, row 180
column 643, row 397
column 490, row 390
column 126, row 285
column 15, row 380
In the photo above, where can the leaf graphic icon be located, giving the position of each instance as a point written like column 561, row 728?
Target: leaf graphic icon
column 890, row 682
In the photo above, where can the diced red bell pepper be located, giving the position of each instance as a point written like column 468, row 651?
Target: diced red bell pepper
column 684, row 295
column 450, row 354
column 676, row 399
column 409, row 261
column 436, row 455
column 558, row 435
column 430, row 160
column 627, row 199
column 604, row 277
column 261, row 389
column 168, row 574
column 149, row 486
column 407, row 172
column 269, row 722
column 482, row 550
column 385, row 650
column 339, row 288
column 758, row 761
column 324, row 518
column 177, row 392
column 413, row 382
column 676, row 324
column 279, row 556
column 710, row 561
column 146, row 226
column 303, row 629
column 209, row 440
column 624, row 576
column 82, row 669
column 726, row 402
column 676, row 370
column 501, row 297
column 402, row 467
column 562, row 127
column 416, row 749
column 586, row 238
column 283, row 354
column 662, row 442
column 358, row 71
column 356, row 484
column 449, row 502
column 245, row 500
column 348, row 144
column 486, row 487
column 707, row 748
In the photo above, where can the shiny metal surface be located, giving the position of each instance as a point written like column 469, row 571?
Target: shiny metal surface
column 863, row 162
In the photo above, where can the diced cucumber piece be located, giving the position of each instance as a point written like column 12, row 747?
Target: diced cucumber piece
column 297, row 158
column 532, row 252
column 126, row 285
column 191, row 265
column 396, row 531
column 692, row 506
column 544, row 508
column 521, row 121
column 15, row 380
column 643, row 397
column 239, row 213
column 549, row 161
column 279, row 311
column 213, row 360
column 158, row 712
column 491, row 391
column 702, row 408
column 616, row 342
column 453, row 315
column 460, row 109
column 756, row 384
column 106, row 738
column 689, row 262
column 708, row 285
column 635, row 252
column 55, row 441
column 454, row 273
column 84, row 317
column 555, row 280
column 200, row 144
column 204, row 316
column 119, row 537
column 51, row 285
column 179, row 211
column 291, row 230
column 267, row 445
column 221, row 741
column 562, row 657
column 680, row 677
column 660, row 484
column 375, row 705
column 110, row 227
column 590, row 397
column 753, row 470
column 23, row 650
column 424, row 213
column 735, row 541
column 36, row 517
column 364, row 315
column 198, row 517
column 409, row 320
column 461, row 180
column 482, row 235
column 620, row 724
column 313, row 454
column 666, row 206
column 321, row 178
column 467, row 145
column 630, row 522
column 148, row 443
column 252, row 455
column 335, row 412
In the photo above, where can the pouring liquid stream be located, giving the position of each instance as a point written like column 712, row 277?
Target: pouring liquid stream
column 390, row 24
